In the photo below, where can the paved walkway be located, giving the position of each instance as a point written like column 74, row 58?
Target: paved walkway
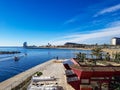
column 49, row 68
column 56, row 70
column 16, row 80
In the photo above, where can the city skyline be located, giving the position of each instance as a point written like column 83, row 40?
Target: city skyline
column 40, row 22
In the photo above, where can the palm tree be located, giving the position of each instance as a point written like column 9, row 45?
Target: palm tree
column 117, row 57
column 78, row 56
column 97, row 52
column 113, row 56
column 107, row 56
column 81, row 57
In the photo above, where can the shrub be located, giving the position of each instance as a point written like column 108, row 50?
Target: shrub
column 38, row 73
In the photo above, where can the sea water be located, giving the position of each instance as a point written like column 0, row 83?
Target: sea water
column 30, row 58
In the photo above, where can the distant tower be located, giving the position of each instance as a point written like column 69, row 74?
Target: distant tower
column 25, row 44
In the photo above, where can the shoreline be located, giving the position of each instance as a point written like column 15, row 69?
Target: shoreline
column 111, row 51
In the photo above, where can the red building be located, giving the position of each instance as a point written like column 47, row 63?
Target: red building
column 94, row 77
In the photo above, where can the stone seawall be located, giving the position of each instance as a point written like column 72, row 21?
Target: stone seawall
column 18, row 79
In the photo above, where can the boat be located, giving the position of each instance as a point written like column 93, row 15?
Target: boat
column 16, row 58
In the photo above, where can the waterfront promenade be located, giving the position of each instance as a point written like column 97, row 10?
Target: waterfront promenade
column 18, row 79
column 49, row 68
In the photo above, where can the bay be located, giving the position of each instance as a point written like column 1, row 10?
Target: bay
column 9, row 67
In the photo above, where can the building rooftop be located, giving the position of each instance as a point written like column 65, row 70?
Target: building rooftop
column 97, row 68
column 116, row 38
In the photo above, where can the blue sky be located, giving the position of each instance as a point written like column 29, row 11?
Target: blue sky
column 58, row 21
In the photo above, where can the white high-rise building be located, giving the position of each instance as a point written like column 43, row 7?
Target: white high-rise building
column 115, row 41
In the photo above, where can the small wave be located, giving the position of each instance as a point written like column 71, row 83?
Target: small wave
column 7, row 58
column 10, row 57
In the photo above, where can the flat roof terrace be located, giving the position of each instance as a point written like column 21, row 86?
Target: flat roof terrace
column 97, row 68
column 87, row 71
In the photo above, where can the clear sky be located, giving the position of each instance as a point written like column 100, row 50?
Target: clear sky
column 58, row 21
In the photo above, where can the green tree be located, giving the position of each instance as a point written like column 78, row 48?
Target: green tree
column 97, row 52
column 117, row 57
column 107, row 56
column 81, row 57
column 78, row 56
